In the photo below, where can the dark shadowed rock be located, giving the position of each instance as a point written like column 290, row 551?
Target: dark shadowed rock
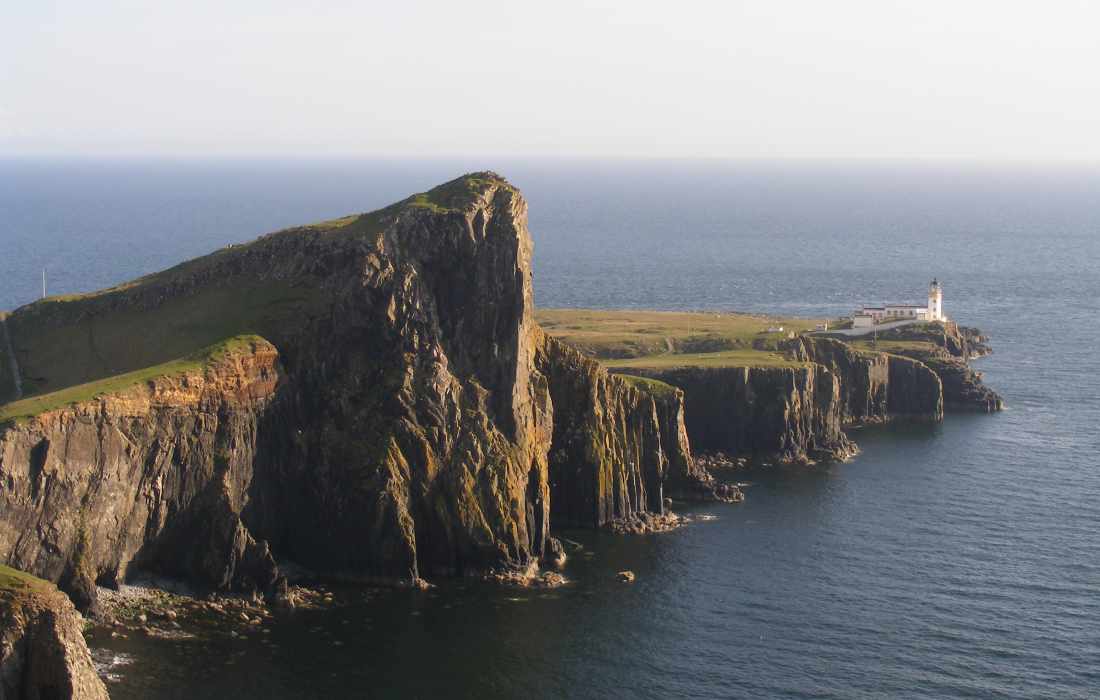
column 43, row 655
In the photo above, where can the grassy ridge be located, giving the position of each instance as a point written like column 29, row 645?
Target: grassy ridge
column 25, row 408
column 72, row 344
column 663, row 339
column 653, row 386
column 454, row 195
column 14, row 581
column 76, row 348
column 729, row 358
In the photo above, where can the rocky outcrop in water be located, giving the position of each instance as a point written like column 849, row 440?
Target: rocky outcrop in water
column 43, row 655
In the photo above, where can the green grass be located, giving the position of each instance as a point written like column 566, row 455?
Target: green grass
column 673, row 339
column 70, row 341
column 652, row 386
column 196, row 361
column 455, row 195
column 730, row 358
column 16, row 581
column 81, row 342
column 894, row 346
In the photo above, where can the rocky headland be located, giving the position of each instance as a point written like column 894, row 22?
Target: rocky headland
column 368, row 397
column 371, row 399
column 761, row 389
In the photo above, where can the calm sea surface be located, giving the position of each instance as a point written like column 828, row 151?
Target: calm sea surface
column 961, row 560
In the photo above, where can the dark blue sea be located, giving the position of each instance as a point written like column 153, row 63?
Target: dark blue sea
column 955, row 561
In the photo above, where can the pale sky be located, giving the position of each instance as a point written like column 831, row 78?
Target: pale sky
column 973, row 79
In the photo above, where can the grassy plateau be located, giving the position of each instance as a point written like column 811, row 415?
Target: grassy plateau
column 664, row 339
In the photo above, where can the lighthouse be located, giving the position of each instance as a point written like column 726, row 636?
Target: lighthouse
column 935, row 301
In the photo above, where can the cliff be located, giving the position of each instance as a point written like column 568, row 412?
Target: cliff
column 387, row 408
column 947, row 349
column 42, row 650
column 791, row 414
column 797, row 411
column 155, row 476
column 616, row 444
column 876, row 387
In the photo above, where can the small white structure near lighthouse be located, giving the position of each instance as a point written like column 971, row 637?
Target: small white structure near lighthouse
column 868, row 316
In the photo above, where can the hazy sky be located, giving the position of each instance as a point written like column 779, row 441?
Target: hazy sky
column 674, row 78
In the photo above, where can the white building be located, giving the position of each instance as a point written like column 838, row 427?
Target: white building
column 933, row 311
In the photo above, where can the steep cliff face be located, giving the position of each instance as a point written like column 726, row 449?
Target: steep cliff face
column 608, row 459
column 617, row 443
column 43, row 655
column 947, row 348
column 792, row 414
column 876, row 387
column 398, row 424
column 155, row 475
column 798, row 413
column 413, row 430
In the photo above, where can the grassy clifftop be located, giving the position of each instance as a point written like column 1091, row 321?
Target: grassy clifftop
column 196, row 361
column 663, row 339
column 267, row 287
column 14, row 582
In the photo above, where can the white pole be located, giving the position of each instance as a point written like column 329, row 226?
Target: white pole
column 43, row 283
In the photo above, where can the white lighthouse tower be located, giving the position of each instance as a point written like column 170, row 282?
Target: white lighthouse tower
column 935, row 301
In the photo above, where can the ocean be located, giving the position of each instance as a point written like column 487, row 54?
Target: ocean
column 950, row 561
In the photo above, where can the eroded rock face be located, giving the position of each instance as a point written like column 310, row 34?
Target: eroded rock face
column 411, row 435
column 43, row 655
column 402, row 426
column 790, row 414
column 876, row 387
column 798, row 413
column 609, row 458
column 946, row 349
column 155, row 476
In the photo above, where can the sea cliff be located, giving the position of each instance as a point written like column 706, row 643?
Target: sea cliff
column 774, row 389
column 368, row 397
